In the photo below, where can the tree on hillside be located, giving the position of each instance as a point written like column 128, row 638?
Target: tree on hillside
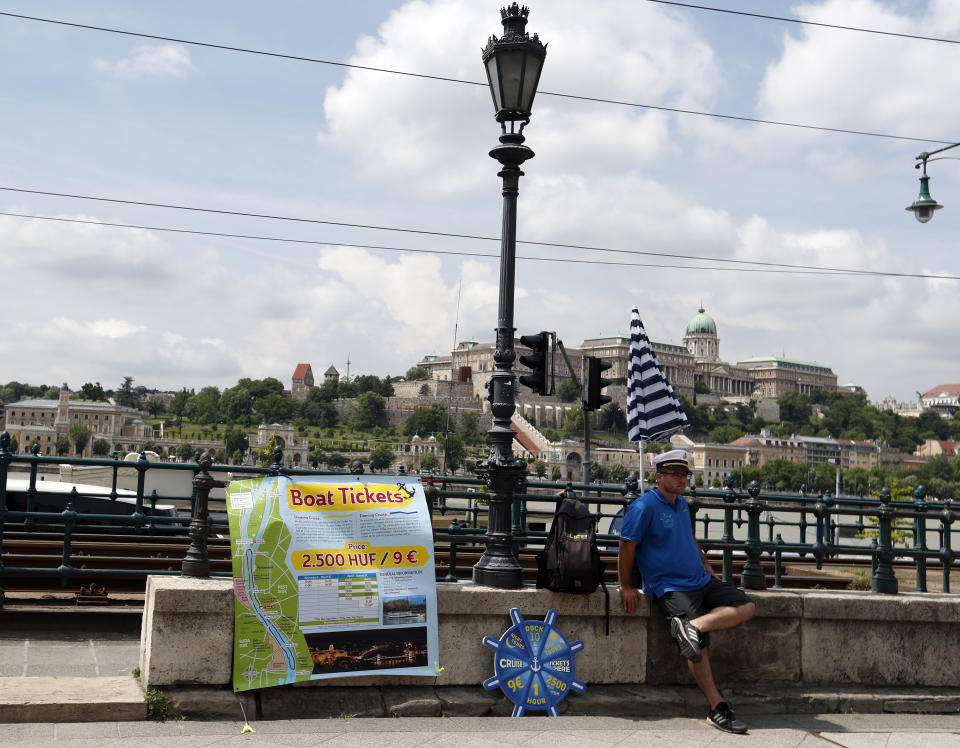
column 454, row 452
column 724, row 434
column 425, row 421
column 127, row 396
column 235, row 440
column 61, row 445
column 371, row 383
column 470, row 426
column 14, row 391
column 568, row 391
column 185, row 452
column 573, row 421
column 317, row 409
column 204, row 406
column 783, row 475
column 259, row 388
column 155, row 406
column 336, row 461
column 236, row 404
column 369, row 411
column 315, row 456
column 79, row 434
column 429, row 461
column 416, row 373
column 618, row 473
column 794, row 408
column 612, row 417
column 94, row 392
column 179, row 404
column 382, row 456
column 274, row 408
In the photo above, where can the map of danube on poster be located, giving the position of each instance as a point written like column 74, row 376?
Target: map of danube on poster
column 332, row 576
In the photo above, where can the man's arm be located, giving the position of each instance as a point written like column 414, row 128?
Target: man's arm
column 626, row 558
column 703, row 558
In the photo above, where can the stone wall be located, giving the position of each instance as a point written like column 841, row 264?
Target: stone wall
column 805, row 637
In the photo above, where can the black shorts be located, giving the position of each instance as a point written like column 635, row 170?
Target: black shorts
column 694, row 603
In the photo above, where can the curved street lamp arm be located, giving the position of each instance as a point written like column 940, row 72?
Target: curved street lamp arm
column 925, row 156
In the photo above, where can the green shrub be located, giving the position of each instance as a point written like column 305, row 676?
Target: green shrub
column 861, row 581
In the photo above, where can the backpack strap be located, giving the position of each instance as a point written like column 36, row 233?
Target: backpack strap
column 606, row 606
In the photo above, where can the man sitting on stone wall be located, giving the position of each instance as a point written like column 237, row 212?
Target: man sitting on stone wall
column 658, row 540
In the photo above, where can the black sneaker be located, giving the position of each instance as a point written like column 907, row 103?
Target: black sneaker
column 687, row 637
column 723, row 718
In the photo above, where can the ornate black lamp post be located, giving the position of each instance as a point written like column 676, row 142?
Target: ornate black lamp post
column 513, row 65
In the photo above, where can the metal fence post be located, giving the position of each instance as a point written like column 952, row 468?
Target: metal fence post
column 778, row 565
column 196, row 563
column 452, row 566
column 803, row 514
column 752, row 577
column 69, row 514
column 819, row 510
column 29, row 522
column 946, row 553
column 884, row 579
column 5, row 458
column 729, row 497
column 920, row 536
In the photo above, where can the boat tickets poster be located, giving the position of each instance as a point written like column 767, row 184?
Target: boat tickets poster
column 332, row 576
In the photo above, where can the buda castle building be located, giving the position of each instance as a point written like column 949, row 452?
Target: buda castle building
column 697, row 360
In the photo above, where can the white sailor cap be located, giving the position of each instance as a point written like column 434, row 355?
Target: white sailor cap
column 675, row 459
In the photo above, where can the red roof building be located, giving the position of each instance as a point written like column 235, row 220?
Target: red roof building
column 302, row 381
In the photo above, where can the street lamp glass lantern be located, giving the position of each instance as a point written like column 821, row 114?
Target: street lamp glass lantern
column 924, row 206
column 513, row 65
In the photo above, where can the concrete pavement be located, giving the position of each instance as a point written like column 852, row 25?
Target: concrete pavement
column 69, row 680
column 768, row 731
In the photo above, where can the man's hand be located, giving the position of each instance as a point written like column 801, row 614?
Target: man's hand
column 629, row 597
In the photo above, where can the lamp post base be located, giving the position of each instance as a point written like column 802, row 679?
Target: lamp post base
column 498, row 567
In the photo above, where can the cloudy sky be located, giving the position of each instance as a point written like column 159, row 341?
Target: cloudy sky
column 98, row 114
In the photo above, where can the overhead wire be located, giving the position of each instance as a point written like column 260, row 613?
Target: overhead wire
column 788, row 19
column 447, row 79
column 443, row 234
column 779, row 269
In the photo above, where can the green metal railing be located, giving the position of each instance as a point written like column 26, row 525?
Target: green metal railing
column 730, row 521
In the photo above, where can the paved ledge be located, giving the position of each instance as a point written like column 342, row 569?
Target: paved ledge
column 69, row 699
column 121, row 699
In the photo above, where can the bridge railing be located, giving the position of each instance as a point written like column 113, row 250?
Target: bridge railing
column 744, row 526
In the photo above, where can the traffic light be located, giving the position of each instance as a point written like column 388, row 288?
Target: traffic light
column 539, row 379
column 595, row 383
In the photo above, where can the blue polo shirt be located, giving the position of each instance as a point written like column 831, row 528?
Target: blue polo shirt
column 667, row 555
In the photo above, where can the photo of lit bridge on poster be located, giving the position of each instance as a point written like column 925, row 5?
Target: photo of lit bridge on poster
column 533, row 664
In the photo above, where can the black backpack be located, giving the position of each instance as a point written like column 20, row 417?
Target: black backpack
column 570, row 561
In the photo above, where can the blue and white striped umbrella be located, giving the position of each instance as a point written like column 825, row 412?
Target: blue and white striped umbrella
column 653, row 411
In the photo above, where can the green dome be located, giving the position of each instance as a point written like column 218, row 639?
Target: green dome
column 703, row 322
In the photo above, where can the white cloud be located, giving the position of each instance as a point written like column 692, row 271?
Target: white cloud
column 80, row 250
column 843, row 79
column 627, row 212
column 106, row 329
column 150, row 60
column 436, row 136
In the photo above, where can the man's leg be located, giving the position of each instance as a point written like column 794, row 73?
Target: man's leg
column 724, row 617
column 703, row 675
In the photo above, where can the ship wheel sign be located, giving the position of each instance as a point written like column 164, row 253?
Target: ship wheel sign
column 533, row 663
